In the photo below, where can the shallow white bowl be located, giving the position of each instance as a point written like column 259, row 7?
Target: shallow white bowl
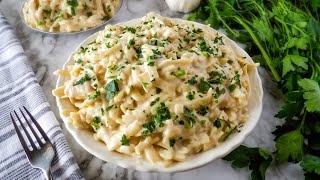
column 99, row 149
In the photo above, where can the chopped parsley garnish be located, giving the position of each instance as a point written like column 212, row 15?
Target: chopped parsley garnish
column 89, row 14
column 85, row 6
column 96, row 122
column 232, row 87
column 190, row 95
column 47, row 11
column 83, row 50
column 108, row 36
column 109, row 8
column 145, row 84
column 179, row 73
column 132, row 41
column 203, row 122
column 155, row 35
column 197, row 30
column 130, row 29
column 218, row 40
column 108, row 45
column 192, row 81
column 204, row 47
column 109, row 107
column 112, row 88
column 217, row 123
column 154, row 42
column 216, row 77
column 203, row 110
column 158, row 90
column 163, row 114
column 95, row 95
column 173, row 141
column 102, row 111
column 41, row 23
column 154, row 101
column 79, row 61
column 73, row 4
column 156, row 54
column 149, row 128
column 191, row 117
column 204, row 86
column 105, row 18
column 84, row 79
column 230, row 62
column 125, row 141
column 231, row 131
column 151, row 63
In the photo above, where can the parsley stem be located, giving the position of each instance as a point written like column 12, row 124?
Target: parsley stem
column 263, row 52
column 223, row 22
column 303, row 120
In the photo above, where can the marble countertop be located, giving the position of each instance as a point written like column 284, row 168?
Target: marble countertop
column 48, row 53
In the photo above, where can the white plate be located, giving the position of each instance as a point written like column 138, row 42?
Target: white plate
column 99, row 149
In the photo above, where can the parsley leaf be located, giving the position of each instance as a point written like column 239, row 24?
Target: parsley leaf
column 179, row 73
column 192, row 81
column 73, row 4
column 96, row 122
column 289, row 60
column 311, row 164
column 257, row 159
column 204, row 86
column 191, row 117
column 290, row 146
column 149, row 128
column 125, row 141
column 112, row 88
column 109, row 107
column 190, row 95
column 217, row 123
column 172, row 142
column 311, row 94
column 203, row 110
column 154, row 101
column 130, row 29
column 162, row 114
column 84, row 79
column 95, row 95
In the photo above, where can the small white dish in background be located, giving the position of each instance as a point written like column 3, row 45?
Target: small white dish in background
column 99, row 149
column 104, row 22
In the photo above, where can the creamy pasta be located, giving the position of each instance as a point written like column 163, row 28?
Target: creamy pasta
column 158, row 90
column 68, row 15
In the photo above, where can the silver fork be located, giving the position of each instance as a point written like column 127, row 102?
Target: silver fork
column 38, row 157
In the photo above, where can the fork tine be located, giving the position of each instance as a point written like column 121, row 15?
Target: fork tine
column 34, row 147
column 23, row 142
column 44, row 135
column 32, row 130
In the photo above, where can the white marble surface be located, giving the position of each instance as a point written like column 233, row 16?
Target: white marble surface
column 47, row 53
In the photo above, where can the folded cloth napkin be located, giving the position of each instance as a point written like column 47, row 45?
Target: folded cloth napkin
column 19, row 87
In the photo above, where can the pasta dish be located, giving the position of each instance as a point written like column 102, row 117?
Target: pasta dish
column 68, row 15
column 157, row 90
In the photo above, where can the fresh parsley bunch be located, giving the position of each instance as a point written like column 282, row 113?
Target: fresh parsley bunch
column 283, row 36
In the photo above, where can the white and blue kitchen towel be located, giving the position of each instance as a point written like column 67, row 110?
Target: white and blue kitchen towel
column 19, row 87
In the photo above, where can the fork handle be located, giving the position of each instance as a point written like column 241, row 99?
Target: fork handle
column 47, row 174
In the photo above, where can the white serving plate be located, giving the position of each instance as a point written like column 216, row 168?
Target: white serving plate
column 99, row 149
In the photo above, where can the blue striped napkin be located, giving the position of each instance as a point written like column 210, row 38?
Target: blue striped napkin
column 19, row 87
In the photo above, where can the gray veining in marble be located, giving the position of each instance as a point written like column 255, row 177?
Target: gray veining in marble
column 48, row 53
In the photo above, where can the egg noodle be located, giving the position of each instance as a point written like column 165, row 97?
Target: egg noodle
column 68, row 15
column 157, row 90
